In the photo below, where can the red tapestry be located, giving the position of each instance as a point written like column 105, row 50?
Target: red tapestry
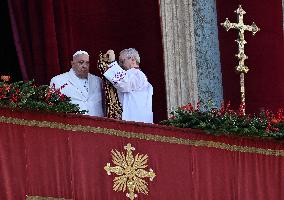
column 64, row 156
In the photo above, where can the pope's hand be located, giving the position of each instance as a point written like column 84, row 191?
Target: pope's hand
column 111, row 55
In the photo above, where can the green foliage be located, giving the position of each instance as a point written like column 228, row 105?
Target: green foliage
column 227, row 121
column 27, row 96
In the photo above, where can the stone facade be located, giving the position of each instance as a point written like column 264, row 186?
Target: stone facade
column 191, row 52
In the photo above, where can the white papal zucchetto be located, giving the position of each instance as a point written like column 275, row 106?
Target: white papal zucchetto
column 80, row 52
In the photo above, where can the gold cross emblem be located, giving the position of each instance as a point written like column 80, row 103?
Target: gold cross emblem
column 130, row 171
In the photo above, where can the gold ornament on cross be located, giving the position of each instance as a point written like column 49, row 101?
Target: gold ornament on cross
column 130, row 171
column 5, row 78
column 241, row 27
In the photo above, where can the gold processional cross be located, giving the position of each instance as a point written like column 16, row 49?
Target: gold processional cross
column 241, row 27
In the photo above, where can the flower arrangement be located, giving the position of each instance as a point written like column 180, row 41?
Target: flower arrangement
column 227, row 121
column 28, row 96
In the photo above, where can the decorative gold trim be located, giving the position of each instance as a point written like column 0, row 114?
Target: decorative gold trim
column 141, row 136
column 5, row 78
column 44, row 198
column 130, row 172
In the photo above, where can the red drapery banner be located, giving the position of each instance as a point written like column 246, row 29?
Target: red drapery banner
column 63, row 156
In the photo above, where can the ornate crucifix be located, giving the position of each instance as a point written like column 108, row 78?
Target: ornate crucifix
column 241, row 27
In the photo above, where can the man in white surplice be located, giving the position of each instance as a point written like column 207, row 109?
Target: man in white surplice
column 82, row 87
column 134, row 90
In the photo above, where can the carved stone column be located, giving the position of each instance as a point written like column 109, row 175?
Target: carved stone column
column 210, row 89
column 191, row 52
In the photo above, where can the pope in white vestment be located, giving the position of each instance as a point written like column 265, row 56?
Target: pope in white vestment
column 82, row 87
column 134, row 91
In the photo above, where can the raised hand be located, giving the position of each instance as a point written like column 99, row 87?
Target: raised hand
column 111, row 56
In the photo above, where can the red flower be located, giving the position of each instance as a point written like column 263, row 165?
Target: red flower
column 188, row 107
column 14, row 98
column 2, row 96
column 62, row 97
column 48, row 95
column 279, row 115
column 53, row 91
column 6, row 87
column 275, row 129
column 275, row 121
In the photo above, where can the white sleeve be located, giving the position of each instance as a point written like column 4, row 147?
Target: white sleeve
column 126, row 81
column 56, row 81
